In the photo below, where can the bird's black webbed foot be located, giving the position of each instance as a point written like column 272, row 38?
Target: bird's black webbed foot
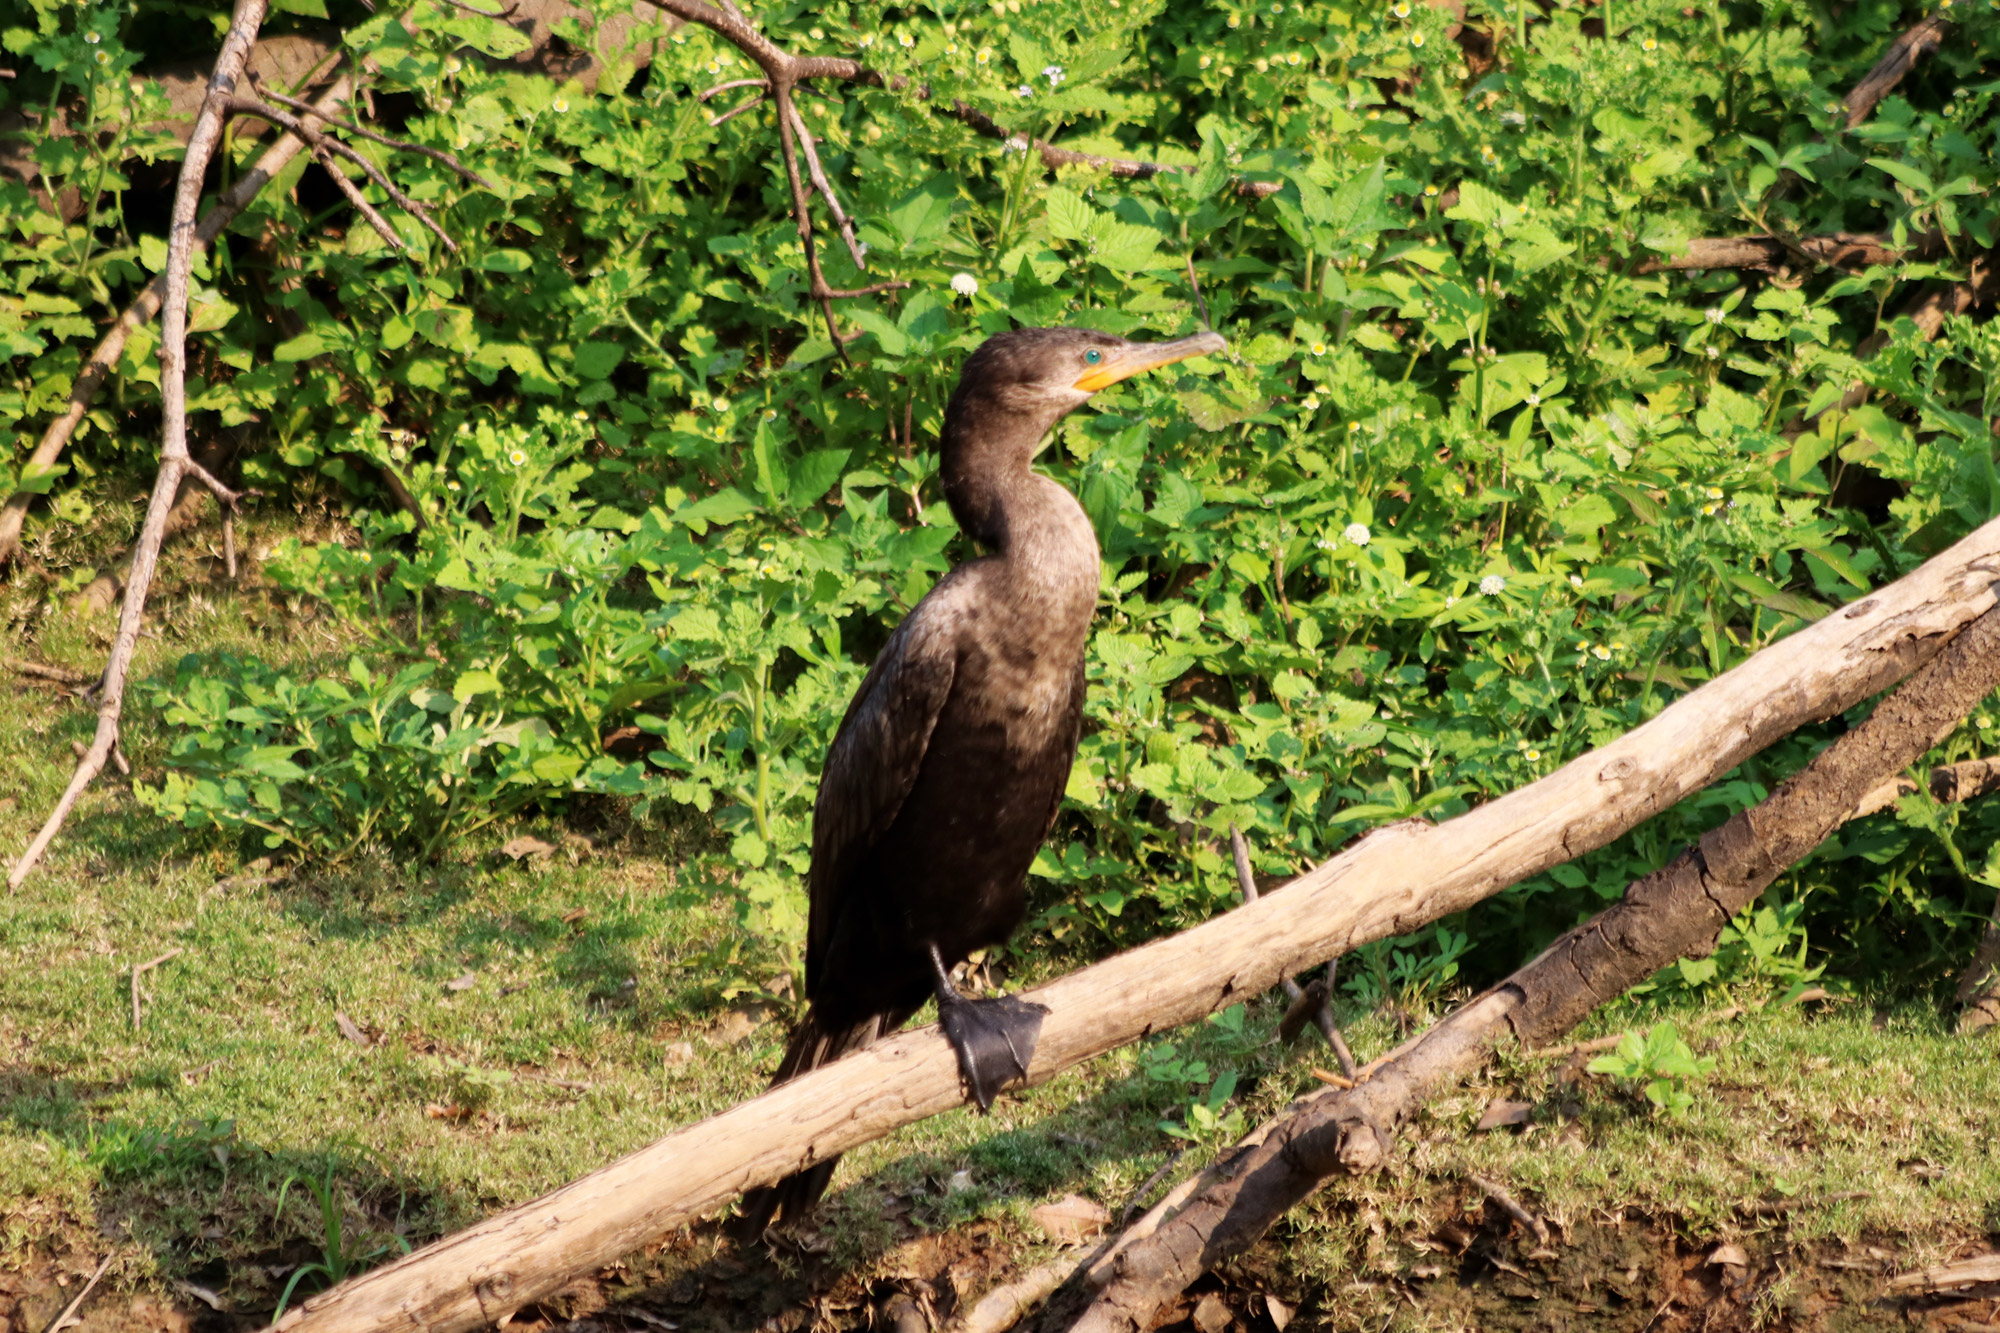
column 995, row 1038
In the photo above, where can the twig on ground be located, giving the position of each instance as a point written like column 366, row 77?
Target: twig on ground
column 91, row 376
column 1137, row 1203
column 139, row 971
column 1674, row 912
column 1512, row 1207
column 69, row 1311
column 175, row 461
column 42, row 671
column 1005, row 1306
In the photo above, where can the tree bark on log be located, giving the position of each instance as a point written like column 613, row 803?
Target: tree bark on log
column 1387, row 884
column 1675, row 912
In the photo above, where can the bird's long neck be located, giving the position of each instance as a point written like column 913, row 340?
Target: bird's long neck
column 1040, row 534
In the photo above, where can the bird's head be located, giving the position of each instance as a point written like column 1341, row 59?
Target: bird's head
column 1035, row 377
column 1014, row 388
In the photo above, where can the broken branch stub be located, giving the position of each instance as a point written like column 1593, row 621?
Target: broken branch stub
column 1387, row 884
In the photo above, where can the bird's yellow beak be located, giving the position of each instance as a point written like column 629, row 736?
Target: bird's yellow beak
column 1133, row 358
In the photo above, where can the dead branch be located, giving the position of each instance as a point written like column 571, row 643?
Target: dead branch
column 1677, row 911
column 1840, row 249
column 1512, row 1207
column 437, row 155
column 175, row 461
column 42, row 671
column 90, row 378
column 139, row 971
column 1389, row 883
column 1966, row 780
column 1926, row 37
column 323, row 144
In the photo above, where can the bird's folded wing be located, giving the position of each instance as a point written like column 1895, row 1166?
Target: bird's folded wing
column 875, row 757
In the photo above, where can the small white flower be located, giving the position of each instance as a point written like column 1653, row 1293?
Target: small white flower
column 1319, row 349
column 1601, row 653
column 1492, row 586
column 904, row 39
column 1357, row 533
column 560, row 105
column 1016, row 144
column 721, row 404
column 1416, row 39
column 451, row 485
column 1650, row 44
column 985, row 54
column 92, row 38
column 1451, row 601
column 1714, row 314
column 1401, row 11
column 1053, row 73
column 867, row 39
column 1533, row 755
column 1714, row 353
column 1576, row 581
column 518, row 457
column 1204, row 62
column 1292, row 58
column 1024, row 91
column 103, row 57
column 1310, row 402
column 1534, row 400
column 1234, row 21
column 964, row 284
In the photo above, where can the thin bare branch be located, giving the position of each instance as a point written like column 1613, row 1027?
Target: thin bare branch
column 730, row 84
column 90, row 378
column 175, row 461
column 367, row 210
column 825, row 189
column 737, row 110
column 251, row 106
column 400, row 145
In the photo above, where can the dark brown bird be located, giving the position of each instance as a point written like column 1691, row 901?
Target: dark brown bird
column 947, row 771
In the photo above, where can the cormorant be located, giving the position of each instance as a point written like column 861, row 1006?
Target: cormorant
column 948, row 768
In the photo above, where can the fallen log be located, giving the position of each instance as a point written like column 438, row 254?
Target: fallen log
column 1675, row 912
column 1387, row 884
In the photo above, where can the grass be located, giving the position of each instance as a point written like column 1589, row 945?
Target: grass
column 529, row 1020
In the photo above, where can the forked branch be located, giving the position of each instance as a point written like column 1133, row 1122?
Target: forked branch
column 176, row 464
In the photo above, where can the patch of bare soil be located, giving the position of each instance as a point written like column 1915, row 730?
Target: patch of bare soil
column 1613, row 1273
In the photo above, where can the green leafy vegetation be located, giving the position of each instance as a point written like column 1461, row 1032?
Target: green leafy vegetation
column 591, row 527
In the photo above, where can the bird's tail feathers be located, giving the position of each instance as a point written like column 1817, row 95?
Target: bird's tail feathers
column 814, row 1044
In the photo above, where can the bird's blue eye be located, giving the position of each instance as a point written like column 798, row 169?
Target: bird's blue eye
column 1093, row 356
